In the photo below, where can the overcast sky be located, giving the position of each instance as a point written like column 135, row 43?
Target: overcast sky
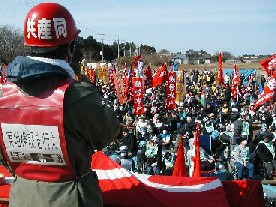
column 237, row 26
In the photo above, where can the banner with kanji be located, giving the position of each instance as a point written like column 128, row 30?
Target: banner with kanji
column 268, row 93
column 105, row 76
column 91, row 74
column 179, row 87
column 119, row 87
column 138, row 95
column 235, row 83
column 220, row 72
column 171, row 91
column 147, row 78
column 111, row 70
column 269, row 64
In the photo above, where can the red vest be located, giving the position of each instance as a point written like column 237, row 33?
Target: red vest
column 32, row 135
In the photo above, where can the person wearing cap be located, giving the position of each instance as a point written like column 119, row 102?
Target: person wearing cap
column 266, row 153
column 60, row 121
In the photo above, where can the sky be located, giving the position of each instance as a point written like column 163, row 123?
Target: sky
column 236, row 26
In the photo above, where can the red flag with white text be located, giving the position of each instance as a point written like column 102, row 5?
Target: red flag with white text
column 160, row 76
column 269, row 64
column 138, row 95
column 147, row 78
column 220, row 71
column 235, row 83
column 91, row 74
column 171, row 91
column 119, row 87
column 268, row 93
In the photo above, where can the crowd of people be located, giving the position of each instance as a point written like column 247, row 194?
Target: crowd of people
column 152, row 138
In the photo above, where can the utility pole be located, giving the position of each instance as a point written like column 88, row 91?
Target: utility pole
column 124, row 47
column 118, row 46
column 102, row 46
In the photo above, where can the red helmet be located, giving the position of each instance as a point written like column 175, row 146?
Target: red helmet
column 49, row 25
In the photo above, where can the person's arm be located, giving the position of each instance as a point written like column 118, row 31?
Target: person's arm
column 89, row 119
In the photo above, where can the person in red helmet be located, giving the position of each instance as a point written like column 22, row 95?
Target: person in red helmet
column 50, row 123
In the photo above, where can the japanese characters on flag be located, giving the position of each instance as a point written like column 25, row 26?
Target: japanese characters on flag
column 269, row 64
column 138, row 95
column 119, row 87
column 220, row 71
column 147, row 78
column 105, row 75
column 235, row 83
column 268, row 92
column 179, row 87
column 91, row 74
column 111, row 70
column 171, row 91
column 160, row 76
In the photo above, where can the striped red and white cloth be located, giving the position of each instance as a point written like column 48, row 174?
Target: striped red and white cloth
column 123, row 188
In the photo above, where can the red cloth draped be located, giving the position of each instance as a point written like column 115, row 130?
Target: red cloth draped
column 244, row 193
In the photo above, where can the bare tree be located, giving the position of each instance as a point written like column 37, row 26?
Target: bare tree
column 11, row 44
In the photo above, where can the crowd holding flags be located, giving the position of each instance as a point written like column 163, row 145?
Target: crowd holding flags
column 127, row 80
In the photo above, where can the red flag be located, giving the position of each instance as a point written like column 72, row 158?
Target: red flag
column 197, row 161
column 135, row 60
column 235, row 83
column 160, row 76
column 180, row 163
column 269, row 64
column 268, row 92
column 138, row 95
column 171, row 91
column 220, row 72
column 147, row 77
column 91, row 74
column 119, row 86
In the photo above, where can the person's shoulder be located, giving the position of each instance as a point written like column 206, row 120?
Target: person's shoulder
column 79, row 90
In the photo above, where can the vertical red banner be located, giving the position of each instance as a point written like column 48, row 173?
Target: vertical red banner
column 138, row 95
column 91, row 74
column 171, row 91
column 119, row 87
column 220, row 72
